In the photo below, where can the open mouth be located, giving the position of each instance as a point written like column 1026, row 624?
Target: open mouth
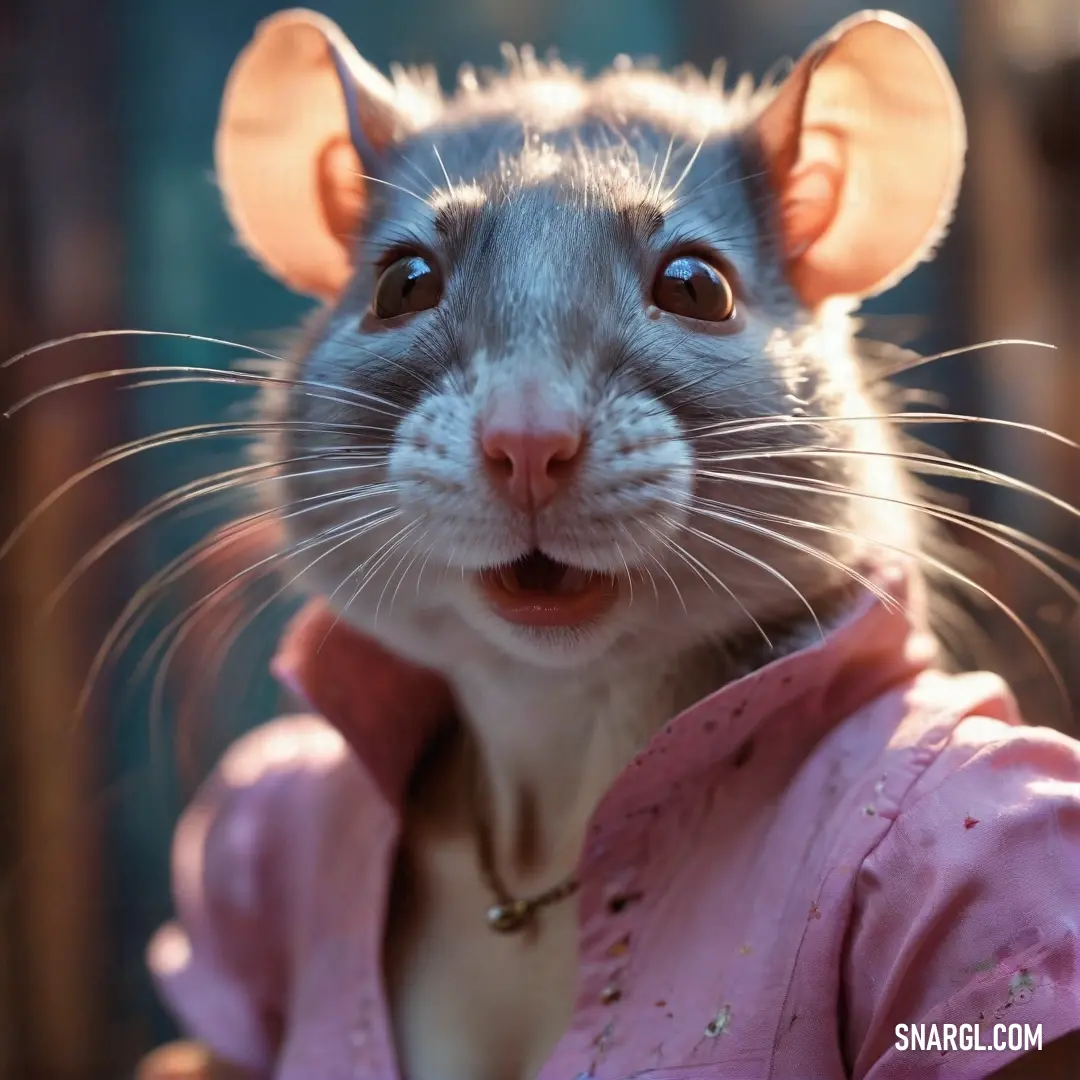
column 539, row 591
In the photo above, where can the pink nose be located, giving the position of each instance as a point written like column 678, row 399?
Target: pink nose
column 530, row 465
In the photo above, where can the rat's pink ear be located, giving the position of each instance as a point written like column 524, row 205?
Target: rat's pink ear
column 865, row 144
column 301, row 108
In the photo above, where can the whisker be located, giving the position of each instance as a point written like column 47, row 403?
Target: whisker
column 211, row 376
column 660, row 538
column 184, row 624
column 404, row 574
column 114, row 457
column 947, row 571
column 129, row 621
column 661, row 567
column 414, row 372
column 663, row 168
column 229, row 481
column 357, row 528
column 689, row 165
column 629, row 576
column 267, row 563
column 698, row 566
column 396, row 187
column 918, row 419
column 423, row 566
column 87, row 335
column 405, row 160
column 377, row 559
column 731, row 549
column 806, row 549
column 984, row 526
column 929, row 462
column 438, row 158
column 739, row 179
column 914, row 360
column 224, row 377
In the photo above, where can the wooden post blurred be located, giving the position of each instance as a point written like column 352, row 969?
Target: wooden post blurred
column 58, row 275
column 1021, row 287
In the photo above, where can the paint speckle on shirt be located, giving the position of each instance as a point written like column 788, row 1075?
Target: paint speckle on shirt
column 622, row 901
column 620, row 947
column 1021, row 987
column 743, row 754
column 719, row 1023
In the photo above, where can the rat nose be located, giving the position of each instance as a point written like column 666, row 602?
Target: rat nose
column 529, row 465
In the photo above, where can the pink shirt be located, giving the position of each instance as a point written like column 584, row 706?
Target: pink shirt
column 841, row 842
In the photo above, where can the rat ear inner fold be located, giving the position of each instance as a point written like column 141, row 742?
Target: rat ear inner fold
column 864, row 143
column 303, row 118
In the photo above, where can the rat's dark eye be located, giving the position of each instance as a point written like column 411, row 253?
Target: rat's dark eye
column 690, row 286
column 411, row 284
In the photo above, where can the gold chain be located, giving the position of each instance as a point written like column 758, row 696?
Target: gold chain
column 509, row 914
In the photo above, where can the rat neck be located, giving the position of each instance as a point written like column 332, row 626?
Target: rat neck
column 548, row 745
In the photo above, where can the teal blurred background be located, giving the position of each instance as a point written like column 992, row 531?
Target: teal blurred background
column 110, row 218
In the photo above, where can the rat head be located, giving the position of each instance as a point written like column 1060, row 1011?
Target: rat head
column 582, row 388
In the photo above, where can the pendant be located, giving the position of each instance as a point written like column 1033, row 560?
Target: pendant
column 510, row 917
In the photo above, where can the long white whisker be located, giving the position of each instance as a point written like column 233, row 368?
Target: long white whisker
column 355, row 527
column 185, row 623
column 377, row 560
column 701, row 569
column 212, row 376
column 984, row 526
column 395, row 187
column 917, row 419
column 664, row 167
column 928, row 463
column 446, row 175
column 946, row 570
column 731, row 549
column 88, row 335
column 686, row 172
column 415, row 548
column 179, row 497
column 127, row 623
column 788, row 541
column 914, row 360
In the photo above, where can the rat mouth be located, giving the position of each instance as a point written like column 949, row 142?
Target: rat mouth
column 537, row 590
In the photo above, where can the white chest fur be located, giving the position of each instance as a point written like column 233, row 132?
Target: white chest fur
column 469, row 1003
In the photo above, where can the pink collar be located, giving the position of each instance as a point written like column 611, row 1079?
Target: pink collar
column 388, row 710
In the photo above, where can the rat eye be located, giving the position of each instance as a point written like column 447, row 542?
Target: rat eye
column 411, row 284
column 690, row 286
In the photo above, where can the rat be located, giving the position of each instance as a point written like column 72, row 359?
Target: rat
column 556, row 300
column 581, row 425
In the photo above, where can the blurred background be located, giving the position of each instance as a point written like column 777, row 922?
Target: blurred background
column 109, row 218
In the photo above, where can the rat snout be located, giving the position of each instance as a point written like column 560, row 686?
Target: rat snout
column 531, row 448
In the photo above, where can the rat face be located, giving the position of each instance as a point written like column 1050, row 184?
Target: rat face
column 583, row 388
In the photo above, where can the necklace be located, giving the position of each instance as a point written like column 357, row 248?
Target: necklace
column 509, row 914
